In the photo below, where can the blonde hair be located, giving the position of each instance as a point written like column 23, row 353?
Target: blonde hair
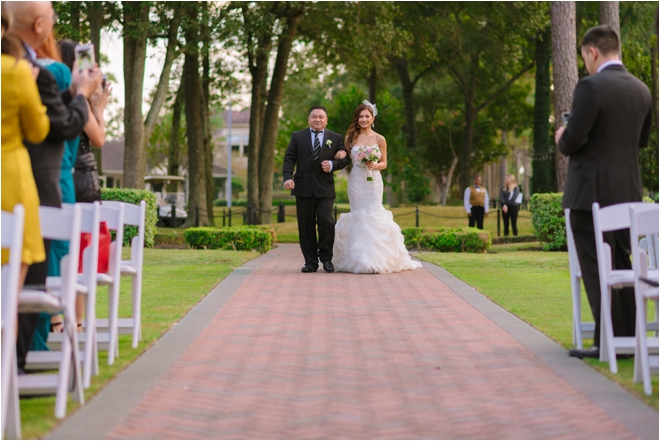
column 512, row 182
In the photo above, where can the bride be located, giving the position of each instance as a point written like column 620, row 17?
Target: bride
column 367, row 240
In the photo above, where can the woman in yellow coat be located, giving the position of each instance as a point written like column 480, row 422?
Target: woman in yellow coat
column 23, row 118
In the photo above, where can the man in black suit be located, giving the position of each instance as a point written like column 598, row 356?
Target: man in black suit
column 68, row 113
column 610, row 120
column 312, row 152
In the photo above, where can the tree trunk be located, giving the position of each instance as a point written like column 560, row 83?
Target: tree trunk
column 564, row 71
column 654, row 70
column 609, row 15
column 408, row 87
column 75, row 18
column 541, row 177
column 447, row 181
column 206, row 110
column 196, row 157
column 259, row 71
column 174, row 154
column 95, row 14
column 466, row 154
column 135, row 53
column 271, row 119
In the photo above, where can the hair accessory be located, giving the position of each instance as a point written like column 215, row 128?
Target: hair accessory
column 371, row 106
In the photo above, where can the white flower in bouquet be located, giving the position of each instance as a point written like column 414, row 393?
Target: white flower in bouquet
column 368, row 154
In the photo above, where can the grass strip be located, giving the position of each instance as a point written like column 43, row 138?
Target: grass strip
column 173, row 282
column 535, row 286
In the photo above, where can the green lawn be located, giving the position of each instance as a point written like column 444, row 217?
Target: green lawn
column 535, row 286
column 430, row 216
column 173, row 282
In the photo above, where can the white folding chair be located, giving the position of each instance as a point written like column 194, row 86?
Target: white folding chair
column 86, row 286
column 58, row 224
column 581, row 330
column 134, row 215
column 12, row 239
column 612, row 218
column 644, row 223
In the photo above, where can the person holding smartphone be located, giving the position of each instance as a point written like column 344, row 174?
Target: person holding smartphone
column 510, row 200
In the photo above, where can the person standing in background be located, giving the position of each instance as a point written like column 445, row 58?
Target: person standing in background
column 475, row 200
column 510, row 200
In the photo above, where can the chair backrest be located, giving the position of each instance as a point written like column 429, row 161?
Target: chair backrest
column 114, row 217
column 134, row 215
column 90, row 223
column 615, row 217
column 643, row 222
column 12, row 239
column 573, row 261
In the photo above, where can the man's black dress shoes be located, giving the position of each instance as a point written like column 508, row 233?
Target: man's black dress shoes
column 592, row 352
column 328, row 267
column 309, row 269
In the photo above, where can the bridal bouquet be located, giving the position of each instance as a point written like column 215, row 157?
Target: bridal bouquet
column 368, row 154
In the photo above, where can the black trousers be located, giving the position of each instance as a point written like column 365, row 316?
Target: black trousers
column 511, row 215
column 477, row 217
column 27, row 323
column 313, row 212
column 623, row 300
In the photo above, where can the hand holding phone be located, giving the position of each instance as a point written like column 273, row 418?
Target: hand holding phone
column 564, row 118
column 85, row 57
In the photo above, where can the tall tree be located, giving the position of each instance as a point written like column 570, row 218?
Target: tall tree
column 292, row 13
column 541, row 166
column 609, row 15
column 564, row 71
column 206, row 108
column 173, row 154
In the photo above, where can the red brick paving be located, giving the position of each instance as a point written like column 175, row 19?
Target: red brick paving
column 344, row 356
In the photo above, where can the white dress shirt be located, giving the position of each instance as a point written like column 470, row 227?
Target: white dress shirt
column 466, row 199
column 609, row 63
column 321, row 138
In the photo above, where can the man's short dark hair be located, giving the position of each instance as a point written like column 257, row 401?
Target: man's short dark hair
column 603, row 38
column 317, row 107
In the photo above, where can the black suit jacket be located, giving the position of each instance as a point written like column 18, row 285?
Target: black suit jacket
column 610, row 120
column 68, row 116
column 310, row 179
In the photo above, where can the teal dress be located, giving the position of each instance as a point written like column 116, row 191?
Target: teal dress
column 59, row 248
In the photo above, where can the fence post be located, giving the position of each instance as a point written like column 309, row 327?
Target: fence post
column 498, row 222
column 229, row 215
column 197, row 215
column 417, row 216
column 173, row 215
column 224, row 217
column 280, row 213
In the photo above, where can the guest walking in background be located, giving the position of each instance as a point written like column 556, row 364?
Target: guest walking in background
column 510, row 200
column 475, row 201
column 23, row 118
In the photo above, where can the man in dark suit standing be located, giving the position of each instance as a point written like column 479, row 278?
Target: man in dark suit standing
column 610, row 120
column 68, row 113
column 312, row 152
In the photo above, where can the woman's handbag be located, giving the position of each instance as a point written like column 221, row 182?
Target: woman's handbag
column 104, row 248
column 86, row 178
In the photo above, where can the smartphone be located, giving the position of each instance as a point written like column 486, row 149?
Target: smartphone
column 564, row 118
column 104, row 81
column 85, row 57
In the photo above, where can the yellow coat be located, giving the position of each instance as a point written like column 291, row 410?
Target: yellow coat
column 23, row 118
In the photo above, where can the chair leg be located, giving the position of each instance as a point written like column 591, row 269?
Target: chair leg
column 607, row 349
column 90, row 340
column 577, row 313
column 12, row 423
column 113, row 315
column 137, row 301
column 64, row 374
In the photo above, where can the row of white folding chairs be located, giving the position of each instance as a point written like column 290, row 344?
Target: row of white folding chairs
column 67, row 224
column 611, row 218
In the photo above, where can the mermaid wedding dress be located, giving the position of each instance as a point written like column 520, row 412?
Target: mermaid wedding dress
column 367, row 240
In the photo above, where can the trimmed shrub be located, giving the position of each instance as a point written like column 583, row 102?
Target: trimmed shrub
column 134, row 196
column 513, row 239
column 548, row 220
column 234, row 238
column 448, row 240
column 169, row 237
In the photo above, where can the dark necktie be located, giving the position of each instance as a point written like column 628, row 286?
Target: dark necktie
column 317, row 144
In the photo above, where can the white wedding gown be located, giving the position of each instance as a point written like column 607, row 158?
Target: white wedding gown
column 367, row 240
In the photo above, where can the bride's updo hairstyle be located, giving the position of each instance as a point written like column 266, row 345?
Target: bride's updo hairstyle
column 354, row 128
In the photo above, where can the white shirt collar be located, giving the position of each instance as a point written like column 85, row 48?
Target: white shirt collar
column 320, row 131
column 609, row 63
column 32, row 52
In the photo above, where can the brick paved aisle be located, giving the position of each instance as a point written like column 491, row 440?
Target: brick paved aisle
column 302, row 356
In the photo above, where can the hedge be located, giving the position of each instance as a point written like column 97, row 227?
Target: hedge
column 448, row 240
column 133, row 196
column 513, row 239
column 234, row 238
column 548, row 220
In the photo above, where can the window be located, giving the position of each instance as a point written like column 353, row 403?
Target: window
column 109, row 182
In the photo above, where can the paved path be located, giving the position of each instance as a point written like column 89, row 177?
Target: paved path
column 273, row 353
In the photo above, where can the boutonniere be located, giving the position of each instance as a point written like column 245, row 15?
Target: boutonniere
column 328, row 143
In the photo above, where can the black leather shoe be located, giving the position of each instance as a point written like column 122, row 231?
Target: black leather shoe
column 309, row 269
column 328, row 267
column 592, row 352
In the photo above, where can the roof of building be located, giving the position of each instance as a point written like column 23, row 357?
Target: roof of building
column 242, row 117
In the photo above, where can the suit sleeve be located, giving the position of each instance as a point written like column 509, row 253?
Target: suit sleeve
column 646, row 128
column 34, row 121
column 582, row 119
column 338, row 164
column 66, row 121
column 290, row 159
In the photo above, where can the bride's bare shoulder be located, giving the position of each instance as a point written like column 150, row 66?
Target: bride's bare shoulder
column 380, row 138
